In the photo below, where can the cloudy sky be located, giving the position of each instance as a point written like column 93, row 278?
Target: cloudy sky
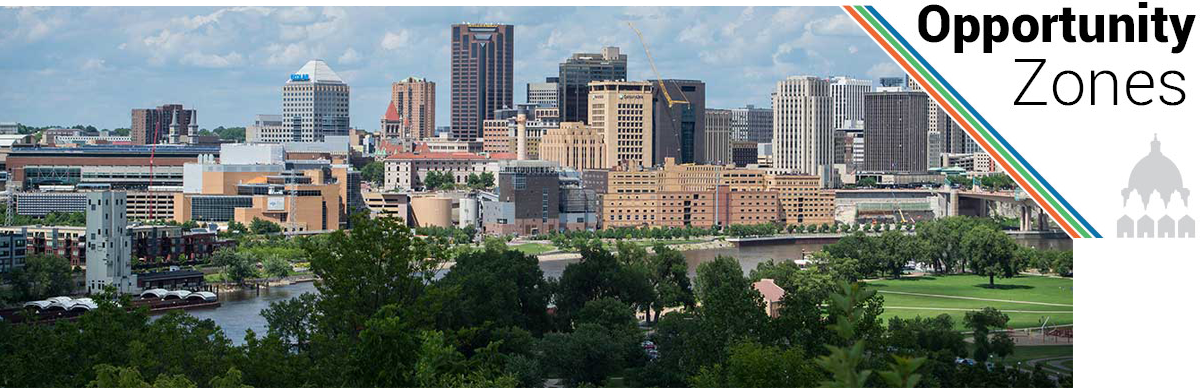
column 66, row 66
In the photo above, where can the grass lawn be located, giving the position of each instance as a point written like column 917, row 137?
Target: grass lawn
column 1024, row 288
column 534, row 248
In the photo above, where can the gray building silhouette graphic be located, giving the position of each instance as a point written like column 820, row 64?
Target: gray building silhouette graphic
column 1155, row 173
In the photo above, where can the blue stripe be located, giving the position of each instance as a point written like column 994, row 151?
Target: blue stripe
column 984, row 121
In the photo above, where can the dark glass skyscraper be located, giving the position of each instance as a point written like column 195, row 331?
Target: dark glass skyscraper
column 896, row 130
column 481, row 71
column 679, row 129
column 577, row 71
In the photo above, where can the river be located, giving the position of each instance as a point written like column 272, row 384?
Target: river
column 240, row 309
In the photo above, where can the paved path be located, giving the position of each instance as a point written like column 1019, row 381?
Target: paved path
column 970, row 298
column 1055, row 362
column 975, row 309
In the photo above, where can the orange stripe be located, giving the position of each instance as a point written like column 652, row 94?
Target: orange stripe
column 974, row 134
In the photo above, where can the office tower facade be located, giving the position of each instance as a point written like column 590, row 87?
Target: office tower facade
column 265, row 128
column 847, row 94
column 717, row 124
column 803, row 136
column 577, row 72
column 751, row 124
column 481, row 71
column 896, row 132
column 573, row 145
column 624, row 112
column 108, row 254
column 416, row 104
column 316, row 103
column 938, row 118
column 543, row 94
column 679, row 127
column 166, row 124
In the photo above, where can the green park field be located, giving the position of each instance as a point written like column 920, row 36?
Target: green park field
column 1026, row 299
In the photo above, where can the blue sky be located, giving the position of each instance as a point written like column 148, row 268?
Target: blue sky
column 66, row 66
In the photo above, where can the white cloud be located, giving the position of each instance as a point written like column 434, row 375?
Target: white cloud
column 94, row 64
column 394, row 40
column 840, row 25
column 884, row 69
column 292, row 55
column 349, row 57
column 212, row 60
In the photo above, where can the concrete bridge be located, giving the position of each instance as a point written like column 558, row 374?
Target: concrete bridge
column 941, row 202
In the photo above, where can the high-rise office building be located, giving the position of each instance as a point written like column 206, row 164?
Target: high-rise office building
column 316, row 103
column 577, row 72
column 751, row 124
column 573, row 145
column 847, row 94
column 679, row 127
column 624, row 112
column 166, row 124
column 108, row 253
column 481, row 76
column 803, row 136
column 717, row 123
column 415, row 101
column 543, row 94
column 896, row 131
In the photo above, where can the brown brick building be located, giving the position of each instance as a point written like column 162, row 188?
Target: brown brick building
column 164, row 124
column 481, row 74
column 415, row 102
column 690, row 208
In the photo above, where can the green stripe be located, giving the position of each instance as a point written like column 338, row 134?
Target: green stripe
column 983, row 133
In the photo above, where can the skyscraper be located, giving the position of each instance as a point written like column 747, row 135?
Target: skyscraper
column 803, row 137
column 717, row 123
column 316, row 103
column 896, row 131
column 108, row 255
column 624, row 113
column 481, row 71
column 847, row 94
column 543, row 94
column 166, row 124
column 581, row 69
column 679, row 127
column 415, row 101
column 751, row 124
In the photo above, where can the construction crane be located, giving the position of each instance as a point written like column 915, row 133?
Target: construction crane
column 671, row 101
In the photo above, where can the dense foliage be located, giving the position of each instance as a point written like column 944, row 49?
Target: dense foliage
column 391, row 312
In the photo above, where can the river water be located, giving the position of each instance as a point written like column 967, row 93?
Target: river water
column 239, row 310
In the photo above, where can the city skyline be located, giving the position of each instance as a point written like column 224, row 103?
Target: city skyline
column 228, row 63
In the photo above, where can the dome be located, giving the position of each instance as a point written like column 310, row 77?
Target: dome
column 1155, row 172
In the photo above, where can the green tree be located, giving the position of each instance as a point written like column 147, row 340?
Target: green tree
column 276, row 267
column 41, row 277
column 991, row 253
column 260, row 226
column 487, row 179
column 587, row 355
column 237, row 266
column 982, row 322
column 497, row 286
column 373, row 172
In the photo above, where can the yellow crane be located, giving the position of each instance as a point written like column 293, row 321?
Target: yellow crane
column 671, row 101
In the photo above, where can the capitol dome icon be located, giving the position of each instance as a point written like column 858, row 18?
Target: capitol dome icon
column 1156, row 173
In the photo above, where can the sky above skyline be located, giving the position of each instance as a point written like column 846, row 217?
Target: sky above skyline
column 67, row 66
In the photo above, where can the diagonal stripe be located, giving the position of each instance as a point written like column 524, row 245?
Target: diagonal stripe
column 1005, row 160
column 1020, row 175
column 1043, row 182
